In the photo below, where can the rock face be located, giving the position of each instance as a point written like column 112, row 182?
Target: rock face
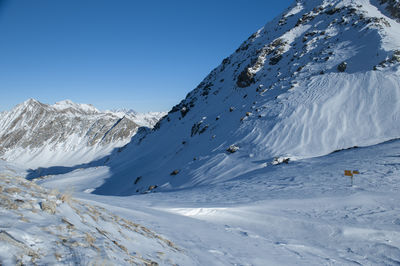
column 245, row 79
column 342, row 67
column 54, row 133
column 393, row 6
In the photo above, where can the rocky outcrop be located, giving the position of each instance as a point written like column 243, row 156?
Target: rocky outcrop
column 245, row 79
column 393, row 6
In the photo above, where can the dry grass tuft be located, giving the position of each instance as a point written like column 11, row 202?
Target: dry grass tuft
column 54, row 192
column 69, row 224
column 66, row 197
column 11, row 190
column 58, row 256
column 120, row 246
column 48, row 206
column 90, row 239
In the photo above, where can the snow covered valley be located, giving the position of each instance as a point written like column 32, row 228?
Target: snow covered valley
column 304, row 213
column 288, row 153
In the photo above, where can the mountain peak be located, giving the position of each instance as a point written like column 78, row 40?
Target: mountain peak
column 66, row 133
column 322, row 76
column 30, row 102
column 70, row 105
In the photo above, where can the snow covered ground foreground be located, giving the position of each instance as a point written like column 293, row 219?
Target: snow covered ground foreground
column 304, row 213
column 43, row 227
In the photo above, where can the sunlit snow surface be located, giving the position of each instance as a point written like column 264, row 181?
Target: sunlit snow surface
column 304, row 213
column 46, row 227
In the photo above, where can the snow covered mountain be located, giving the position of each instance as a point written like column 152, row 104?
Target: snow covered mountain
column 304, row 90
column 64, row 134
column 143, row 119
column 321, row 77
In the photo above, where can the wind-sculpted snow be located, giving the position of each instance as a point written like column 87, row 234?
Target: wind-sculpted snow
column 306, row 212
column 321, row 77
column 34, row 134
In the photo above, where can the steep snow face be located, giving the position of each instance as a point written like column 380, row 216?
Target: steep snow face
column 64, row 134
column 321, row 77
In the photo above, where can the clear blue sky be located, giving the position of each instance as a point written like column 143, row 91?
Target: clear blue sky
column 145, row 55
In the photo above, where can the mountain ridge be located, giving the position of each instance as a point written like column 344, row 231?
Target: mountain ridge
column 323, row 76
column 41, row 135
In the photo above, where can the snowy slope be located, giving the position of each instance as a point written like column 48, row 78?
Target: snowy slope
column 302, row 213
column 321, row 77
column 42, row 227
column 34, row 134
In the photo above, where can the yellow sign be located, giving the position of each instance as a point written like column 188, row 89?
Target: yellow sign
column 356, row 172
column 348, row 173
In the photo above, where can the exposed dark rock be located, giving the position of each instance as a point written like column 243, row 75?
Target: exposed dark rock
column 280, row 160
column 342, row 67
column 175, row 172
column 393, row 7
column 232, row 149
column 184, row 111
column 152, row 187
column 396, row 57
column 305, row 18
column 275, row 60
column 245, row 79
column 195, row 128
column 137, row 179
column 332, row 11
column 203, row 129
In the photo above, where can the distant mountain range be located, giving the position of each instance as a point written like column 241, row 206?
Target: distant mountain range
column 66, row 133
